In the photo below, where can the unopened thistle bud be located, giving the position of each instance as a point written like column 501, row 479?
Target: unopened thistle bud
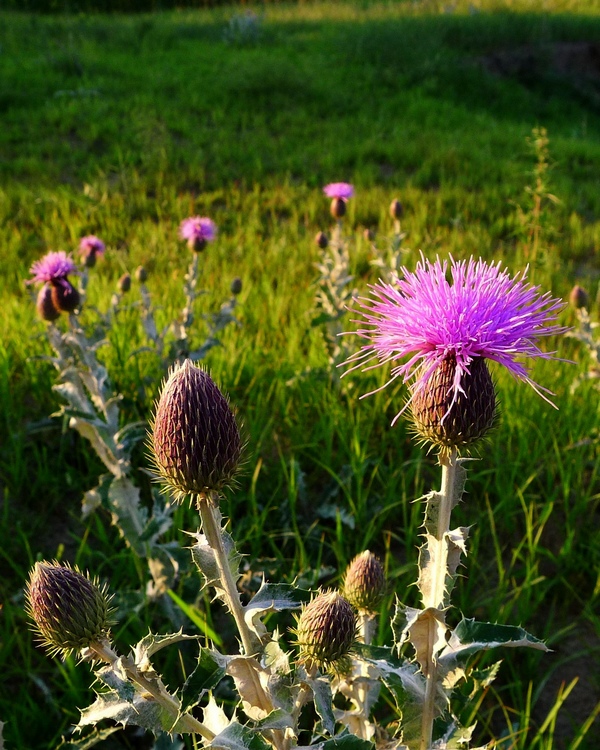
column 396, row 209
column 369, row 235
column 338, row 208
column 45, row 305
column 579, row 297
column 65, row 297
column 321, row 240
column 195, row 440
column 454, row 419
column 236, row 286
column 364, row 582
column 69, row 610
column 326, row 630
column 124, row 283
column 141, row 274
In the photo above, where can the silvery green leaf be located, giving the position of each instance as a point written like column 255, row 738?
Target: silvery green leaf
column 252, row 684
column 345, row 742
column 152, row 643
column 92, row 431
column 214, row 717
column 207, row 674
column 272, row 597
column 97, row 497
column 84, row 743
column 277, row 719
column 115, row 678
column 140, row 712
column 275, row 658
column 238, row 737
column 471, row 636
column 323, row 701
column 204, row 557
column 129, row 436
column 163, row 568
column 128, row 515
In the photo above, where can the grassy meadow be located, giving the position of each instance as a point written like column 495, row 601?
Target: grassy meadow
column 122, row 126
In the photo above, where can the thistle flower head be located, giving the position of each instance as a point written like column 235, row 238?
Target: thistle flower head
column 325, row 630
column 364, row 582
column 44, row 304
column 195, row 440
column 69, row 610
column 425, row 321
column 341, row 190
column 53, row 268
column 197, row 230
column 579, row 297
column 90, row 247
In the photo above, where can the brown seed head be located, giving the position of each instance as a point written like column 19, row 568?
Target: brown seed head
column 471, row 416
column 338, row 208
column 65, row 297
column 326, row 630
column 44, row 304
column 364, row 582
column 195, row 440
column 69, row 610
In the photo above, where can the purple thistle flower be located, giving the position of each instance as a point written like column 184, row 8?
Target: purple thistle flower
column 341, row 190
column 91, row 244
column 197, row 230
column 482, row 313
column 53, row 267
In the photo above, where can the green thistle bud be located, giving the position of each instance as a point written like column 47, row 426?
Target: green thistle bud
column 439, row 421
column 124, row 283
column 45, row 305
column 236, row 286
column 364, row 582
column 65, row 297
column 141, row 274
column 326, row 630
column 195, row 440
column 69, row 610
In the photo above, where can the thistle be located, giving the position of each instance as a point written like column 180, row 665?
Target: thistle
column 339, row 192
column 326, row 631
column 53, row 269
column 89, row 248
column 195, row 440
column 197, row 230
column 69, row 610
column 364, row 582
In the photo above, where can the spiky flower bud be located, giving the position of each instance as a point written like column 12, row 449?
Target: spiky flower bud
column 326, row 630
column 364, row 582
column 69, row 610
column 396, row 209
column 124, row 283
column 195, row 440
column 454, row 419
column 141, row 274
column 338, row 208
column 236, row 286
column 65, row 297
column 45, row 305
column 579, row 297
column 321, row 240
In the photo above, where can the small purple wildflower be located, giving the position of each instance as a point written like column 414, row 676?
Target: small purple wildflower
column 341, row 190
column 482, row 313
column 53, row 267
column 91, row 244
column 197, row 230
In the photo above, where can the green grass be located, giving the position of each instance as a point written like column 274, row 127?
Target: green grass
column 122, row 126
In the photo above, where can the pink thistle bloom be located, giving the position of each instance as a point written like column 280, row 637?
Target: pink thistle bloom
column 341, row 190
column 91, row 244
column 53, row 267
column 424, row 319
column 198, row 229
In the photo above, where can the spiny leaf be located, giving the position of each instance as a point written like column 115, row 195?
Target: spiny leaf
column 140, row 712
column 82, row 743
column 323, row 700
column 238, row 737
column 207, row 674
column 272, row 597
column 251, row 681
column 115, row 678
column 152, row 643
column 127, row 513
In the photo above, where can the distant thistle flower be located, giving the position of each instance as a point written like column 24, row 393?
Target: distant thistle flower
column 69, row 610
column 364, row 582
column 446, row 330
column 326, row 630
column 339, row 192
column 89, row 248
column 54, row 268
column 396, row 209
column 236, row 286
column 124, row 283
column 321, row 240
column 197, row 230
column 141, row 274
column 579, row 297
column 195, row 439
column 45, row 305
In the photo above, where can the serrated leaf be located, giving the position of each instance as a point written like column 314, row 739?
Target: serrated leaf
column 163, row 568
column 276, row 659
column 152, row 643
column 204, row 557
column 251, row 681
column 82, row 743
column 214, row 717
column 127, row 513
column 207, row 674
column 277, row 719
column 238, row 737
column 471, row 636
column 323, row 700
column 147, row 714
column 88, row 430
column 115, row 678
column 96, row 497
column 346, row 742
column 272, row 597
column 425, row 629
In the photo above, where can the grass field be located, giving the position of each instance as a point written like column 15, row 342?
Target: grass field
column 122, row 126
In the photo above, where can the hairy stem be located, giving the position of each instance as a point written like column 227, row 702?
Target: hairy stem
column 185, row 723
column 212, row 531
column 437, row 592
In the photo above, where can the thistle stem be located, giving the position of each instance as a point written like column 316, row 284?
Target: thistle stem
column 437, row 593
column 185, row 723
column 212, row 531
column 366, row 627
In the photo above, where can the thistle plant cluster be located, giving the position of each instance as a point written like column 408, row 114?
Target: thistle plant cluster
column 91, row 402
column 322, row 681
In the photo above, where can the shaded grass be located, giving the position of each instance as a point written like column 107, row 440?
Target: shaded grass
column 122, row 126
